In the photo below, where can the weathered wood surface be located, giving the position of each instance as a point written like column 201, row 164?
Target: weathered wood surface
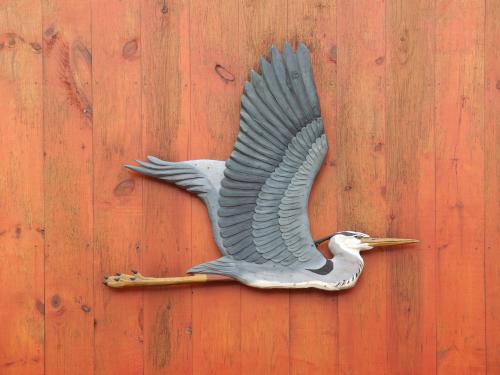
column 410, row 94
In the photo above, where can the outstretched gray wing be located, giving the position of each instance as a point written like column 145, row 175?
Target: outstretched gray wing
column 279, row 150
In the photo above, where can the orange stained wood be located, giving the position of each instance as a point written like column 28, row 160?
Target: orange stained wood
column 214, row 91
column 68, row 169
column 21, row 190
column 410, row 186
column 166, row 246
column 117, row 194
column 361, row 179
column 410, row 96
column 460, row 176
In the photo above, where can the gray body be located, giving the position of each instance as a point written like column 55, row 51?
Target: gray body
column 257, row 199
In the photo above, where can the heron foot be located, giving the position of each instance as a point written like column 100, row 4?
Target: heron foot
column 122, row 280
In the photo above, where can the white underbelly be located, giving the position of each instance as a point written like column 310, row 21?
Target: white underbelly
column 263, row 284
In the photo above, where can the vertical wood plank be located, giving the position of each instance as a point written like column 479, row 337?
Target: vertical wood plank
column 492, row 185
column 117, row 192
column 313, row 314
column 215, row 98
column 460, row 186
column 264, row 314
column 361, row 180
column 67, row 100
column 167, row 213
column 410, row 159
column 21, row 187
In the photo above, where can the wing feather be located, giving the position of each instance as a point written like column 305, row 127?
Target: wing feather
column 266, row 184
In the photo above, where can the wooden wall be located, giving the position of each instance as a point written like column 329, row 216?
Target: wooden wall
column 410, row 93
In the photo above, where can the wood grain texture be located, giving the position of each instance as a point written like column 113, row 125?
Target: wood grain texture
column 166, row 244
column 215, row 91
column 410, row 95
column 21, row 190
column 68, row 177
column 313, row 314
column 361, row 180
column 410, row 174
column 459, row 101
column 117, row 192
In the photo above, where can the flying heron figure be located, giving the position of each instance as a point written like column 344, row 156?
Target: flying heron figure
column 257, row 199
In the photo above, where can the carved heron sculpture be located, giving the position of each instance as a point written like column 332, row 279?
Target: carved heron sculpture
column 257, row 199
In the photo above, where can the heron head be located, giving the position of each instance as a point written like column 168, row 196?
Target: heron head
column 357, row 241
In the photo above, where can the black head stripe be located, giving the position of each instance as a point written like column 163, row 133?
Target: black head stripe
column 348, row 233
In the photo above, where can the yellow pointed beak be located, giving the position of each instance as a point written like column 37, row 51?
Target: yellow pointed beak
column 375, row 242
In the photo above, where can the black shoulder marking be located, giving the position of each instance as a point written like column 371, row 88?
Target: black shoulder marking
column 325, row 270
column 347, row 233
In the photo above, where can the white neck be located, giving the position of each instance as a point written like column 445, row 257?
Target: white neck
column 348, row 265
column 340, row 250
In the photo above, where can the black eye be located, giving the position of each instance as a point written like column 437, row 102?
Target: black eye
column 358, row 236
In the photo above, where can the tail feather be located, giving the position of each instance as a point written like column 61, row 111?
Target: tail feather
column 181, row 174
column 221, row 266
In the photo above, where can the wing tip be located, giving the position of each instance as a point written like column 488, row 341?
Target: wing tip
column 136, row 169
column 263, row 63
column 157, row 161
column 288, row 49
